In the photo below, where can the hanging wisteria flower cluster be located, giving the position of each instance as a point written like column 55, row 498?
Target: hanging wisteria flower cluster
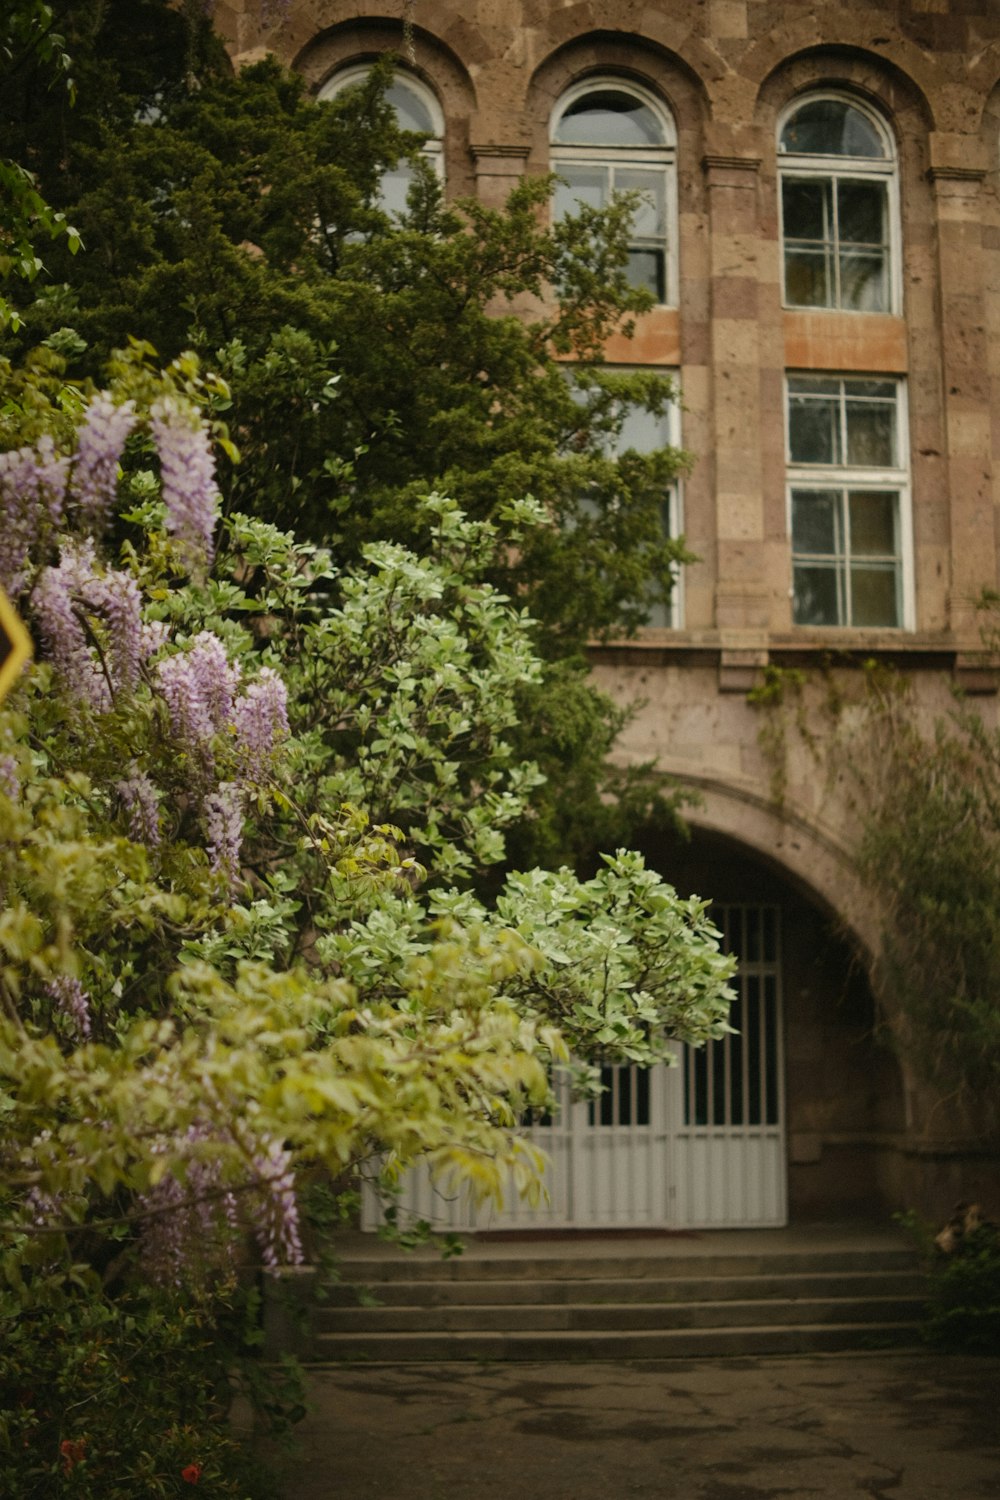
column 75, row 601
column 72, row 1002
column 187, row 474
column 193, row 1217
column 32, row 488
column 199, row 687
column 100, row 441
column 41, row 489
column 89, row 617
column 140, row 799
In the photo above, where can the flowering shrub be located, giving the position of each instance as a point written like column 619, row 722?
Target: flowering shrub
column 242, row 798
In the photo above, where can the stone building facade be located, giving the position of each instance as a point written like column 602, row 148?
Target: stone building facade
column 822, row 234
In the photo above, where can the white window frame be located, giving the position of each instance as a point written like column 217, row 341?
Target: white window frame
column 845, row 476
column 664, row 615
column 661, row 156
column 807, row 166
column 433, row 147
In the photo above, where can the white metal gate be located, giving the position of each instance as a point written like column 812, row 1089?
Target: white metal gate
column 698, row 1145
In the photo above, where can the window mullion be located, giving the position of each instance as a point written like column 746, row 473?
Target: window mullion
column 845, row 548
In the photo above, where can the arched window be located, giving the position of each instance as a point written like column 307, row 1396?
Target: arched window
column 608, row 136
column 416, row 109
column 838, row 207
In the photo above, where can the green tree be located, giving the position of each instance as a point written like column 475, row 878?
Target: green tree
column 370, row 360
column 29, row 43
column 243, row 793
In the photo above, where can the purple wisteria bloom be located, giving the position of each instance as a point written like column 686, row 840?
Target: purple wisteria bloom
column 32, row 489
column 57, row 604
column 140, row 800
column 198, row 686
column 191, row 1223
column 100, row 441
column 277, row 1226
column 187, row 472
column 72, row 1001
column 10, row 783
column 92, row 626
column 261, row 720
column 223, row 814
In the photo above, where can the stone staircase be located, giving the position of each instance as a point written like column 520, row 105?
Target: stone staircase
column 609, row 1298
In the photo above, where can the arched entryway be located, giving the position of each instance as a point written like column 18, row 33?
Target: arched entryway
column 797, row 1115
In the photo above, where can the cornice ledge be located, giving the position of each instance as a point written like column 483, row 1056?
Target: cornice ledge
column 946, row 173
column 713, row 161
column 493, row 148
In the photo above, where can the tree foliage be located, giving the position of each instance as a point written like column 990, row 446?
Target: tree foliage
column 371, row 358
column 256, row 785
column 930, row 851
column 923, row 814
column 29, row 42
column 243, row 795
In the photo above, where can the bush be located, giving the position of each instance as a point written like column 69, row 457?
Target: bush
column 130, row 1396
column 964, row 1304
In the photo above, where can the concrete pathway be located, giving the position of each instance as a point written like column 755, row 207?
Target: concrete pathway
column 889, row 1426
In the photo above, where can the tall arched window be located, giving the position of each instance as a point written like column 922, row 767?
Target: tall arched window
column 609, row 135
column 416, row 109
column 838, row 207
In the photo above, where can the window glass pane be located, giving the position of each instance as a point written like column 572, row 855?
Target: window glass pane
column 861, row 211
column 816, row 522
column 863, row 283
column 584, row 184
column 806, row 206
column 886, row 389
column 393, row 187
column 650, row 215
column 873, row 523
column 814, row 429
column 831, row 127
column 871, row 434
column 816, row 595
column 609, row 117
column 647, row 268
column 643, row 431
column 808, row 278
column 411, row 111
column 821, row 385
column 874, row 594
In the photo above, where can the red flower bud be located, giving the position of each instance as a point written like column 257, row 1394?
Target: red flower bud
column 72, row 1451
column 191, row 1474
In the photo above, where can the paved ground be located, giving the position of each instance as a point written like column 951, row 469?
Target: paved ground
column 889, row 1426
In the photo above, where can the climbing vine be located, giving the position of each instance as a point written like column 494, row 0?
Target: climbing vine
column 921, row 800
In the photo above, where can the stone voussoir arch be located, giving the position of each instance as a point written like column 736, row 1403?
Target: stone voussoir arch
column 826, row 33
column 811, row 857
column 984, row 82
column 600, row 54
column 316, row 32
column 588, row 24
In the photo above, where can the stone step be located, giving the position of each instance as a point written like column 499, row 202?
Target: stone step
column 656, row 1300
column 621, row 1317
column 371, row 1270
column 648, row 1290
column 687, row 1343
